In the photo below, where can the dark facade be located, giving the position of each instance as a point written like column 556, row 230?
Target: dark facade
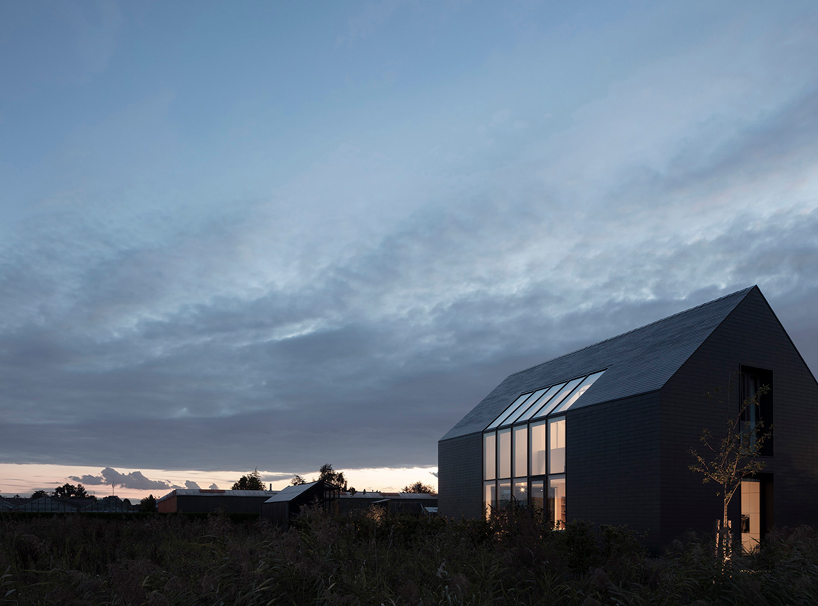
column 186, row 500
column 622, row 446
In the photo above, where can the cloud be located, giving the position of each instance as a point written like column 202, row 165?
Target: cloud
column 135, row 480
column 214, row 487
column 376, row 294
column 191, row 485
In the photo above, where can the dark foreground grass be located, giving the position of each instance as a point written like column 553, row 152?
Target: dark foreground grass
column 73, row 559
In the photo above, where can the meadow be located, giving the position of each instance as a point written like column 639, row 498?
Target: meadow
column 373, row 559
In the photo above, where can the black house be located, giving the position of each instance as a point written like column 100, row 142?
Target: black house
column 603, row 434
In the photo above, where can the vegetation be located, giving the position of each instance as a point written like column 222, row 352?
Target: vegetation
column 329, row 475
column 69, row 490
column 727, row 461
column 252, row 481
column 419, row 487
column 378, row 559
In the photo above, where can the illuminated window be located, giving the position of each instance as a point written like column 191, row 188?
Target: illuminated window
column 521, row 451
column 521, row 491
column 503, row 493
column 489, row 455
column 538, row 448
column 489, row 497
column 556, row 503
column 537, row 494
column 504, row 453
column 556, row 445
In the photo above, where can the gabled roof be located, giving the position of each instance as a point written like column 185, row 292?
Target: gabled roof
column 639, row 361
column 289, row 493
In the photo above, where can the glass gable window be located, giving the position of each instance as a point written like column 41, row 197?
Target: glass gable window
column 557, row 399
column 556, row 445
column 535, row 406
column 577, row 393
column 504, row 453
column 509, row 411
column 538, row 448
column 524, row 450
column 489, row 455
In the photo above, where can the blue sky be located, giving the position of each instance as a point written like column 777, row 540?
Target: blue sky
column 227, row 231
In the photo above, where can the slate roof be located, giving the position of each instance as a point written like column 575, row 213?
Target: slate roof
column 639, row 361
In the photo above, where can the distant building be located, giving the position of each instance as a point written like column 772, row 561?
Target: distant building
column 604, row 433
column 288, row 503
column 185, row 500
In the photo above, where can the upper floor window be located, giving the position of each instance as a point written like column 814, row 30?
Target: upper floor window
column 759, row 406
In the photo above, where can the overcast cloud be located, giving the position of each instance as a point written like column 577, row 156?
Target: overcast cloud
column 325, row 237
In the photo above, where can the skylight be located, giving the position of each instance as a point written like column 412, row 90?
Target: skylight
column 508, row 411
column 546, row 401
column 579, row 391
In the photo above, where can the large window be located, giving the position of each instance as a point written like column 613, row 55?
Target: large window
column 556, row 445
column 556, row 502
column 753, row 381
column 524, row 449
column 489, row 456
column 504, row 453
column 537, row 449
column 520, row 451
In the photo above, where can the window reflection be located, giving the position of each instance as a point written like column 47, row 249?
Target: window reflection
column 577, row 393
column 556, row 445
column 557, row 399
column 538, row 403
column 509, row 411
column 521, row 491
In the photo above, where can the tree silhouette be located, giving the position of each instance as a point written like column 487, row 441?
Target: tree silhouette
column 418, row 488
column 252, row 481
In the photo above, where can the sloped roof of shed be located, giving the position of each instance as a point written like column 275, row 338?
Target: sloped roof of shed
column 290, row 492
column 639, row 361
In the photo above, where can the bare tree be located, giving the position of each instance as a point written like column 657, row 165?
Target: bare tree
column 727, row 461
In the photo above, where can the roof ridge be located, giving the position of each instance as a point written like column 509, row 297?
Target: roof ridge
column 678, row 313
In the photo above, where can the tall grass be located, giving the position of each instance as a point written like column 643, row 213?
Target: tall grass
column 377, row 559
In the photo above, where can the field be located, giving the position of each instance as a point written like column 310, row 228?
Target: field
column 370, row 559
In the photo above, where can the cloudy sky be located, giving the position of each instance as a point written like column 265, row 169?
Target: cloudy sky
column 276, row 235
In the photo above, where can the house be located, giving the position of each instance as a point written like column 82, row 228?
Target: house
column 604, row 433
column 196, row 500
column 285, row 505
column 282, row 507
